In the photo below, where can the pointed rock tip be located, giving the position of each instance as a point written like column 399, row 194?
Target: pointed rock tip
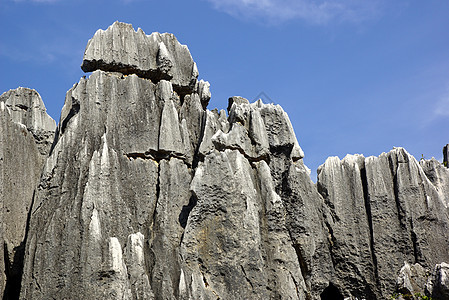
column 237, row 100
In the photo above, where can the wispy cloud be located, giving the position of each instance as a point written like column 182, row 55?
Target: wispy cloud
column 442, row 107
column 311, row 11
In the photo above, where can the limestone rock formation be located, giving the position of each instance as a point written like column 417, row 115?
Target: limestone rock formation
column 155, row 57
column 385, row 210
column 438, row 284
column 147, row 194
column 27, row 108
column 412, row 279
column 25, row 139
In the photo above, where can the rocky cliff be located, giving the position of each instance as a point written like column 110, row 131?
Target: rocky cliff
column 26, row 134
column 147, row 194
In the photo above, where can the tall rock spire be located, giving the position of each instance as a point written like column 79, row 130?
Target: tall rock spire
column 26, row 135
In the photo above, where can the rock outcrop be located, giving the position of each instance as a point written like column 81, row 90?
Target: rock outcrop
column 25, row 139
column 155, row 57
column 26, row 107
column 412, row 280
column 147, row 194
column 385, row 210
column 438, row 284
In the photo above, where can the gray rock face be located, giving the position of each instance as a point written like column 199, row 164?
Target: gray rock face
column 438, row 284
column 399, row 212
column 146, row 194
column 26, row 107
column 439, row 177
column 155, row 57
column 412, row 279
column 141, row 222
column 26, row 133
column 239, row 212
column 132, row 173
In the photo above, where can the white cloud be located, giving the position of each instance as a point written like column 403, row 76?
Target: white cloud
column 442, row 107
column 311, row 11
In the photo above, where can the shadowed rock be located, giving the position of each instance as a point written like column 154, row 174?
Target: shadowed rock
column 438, row 284
column 446, row 156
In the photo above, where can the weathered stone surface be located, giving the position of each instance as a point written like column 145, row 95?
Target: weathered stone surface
column 204, row 92
column 173, row 204
column 412, row 279
column 343, row 185
column 26, row 107
column 403, row 212
column 156, row 56
column 251, row 129
column 239, row 219
column 439, row 176
column 26, row 133
column 128, row 127
column 438, row 284
column 305, row 213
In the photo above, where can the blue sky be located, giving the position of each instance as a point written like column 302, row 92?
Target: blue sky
column 354, row 76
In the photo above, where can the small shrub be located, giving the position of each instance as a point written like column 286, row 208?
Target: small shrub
column 416, row 296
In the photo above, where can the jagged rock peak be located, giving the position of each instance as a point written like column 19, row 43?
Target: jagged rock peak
column 156, row 56
column 255, row 129
column 27, row 108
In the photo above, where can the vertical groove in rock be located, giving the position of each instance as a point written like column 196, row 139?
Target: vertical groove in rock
column 370, row 221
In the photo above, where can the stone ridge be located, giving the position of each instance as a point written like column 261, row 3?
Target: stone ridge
column 156, row 56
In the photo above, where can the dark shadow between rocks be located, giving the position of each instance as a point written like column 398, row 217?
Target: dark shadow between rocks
column 185, row 212
column 331, row 293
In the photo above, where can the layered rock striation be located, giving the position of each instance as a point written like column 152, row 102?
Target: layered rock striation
column 147, row 194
